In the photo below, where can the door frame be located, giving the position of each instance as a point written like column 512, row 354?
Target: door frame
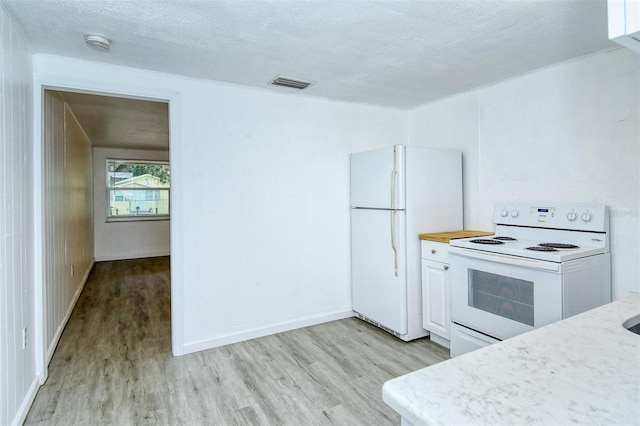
column 42, row 82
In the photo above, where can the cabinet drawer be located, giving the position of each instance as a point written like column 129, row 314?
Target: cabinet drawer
column 465, row 340
column 432, row 250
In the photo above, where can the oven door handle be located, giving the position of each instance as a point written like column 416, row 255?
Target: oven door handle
column 506, row 260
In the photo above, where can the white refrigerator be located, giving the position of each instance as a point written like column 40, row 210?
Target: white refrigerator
column 397, row 193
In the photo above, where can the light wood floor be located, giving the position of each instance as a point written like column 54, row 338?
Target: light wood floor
column 114, row 366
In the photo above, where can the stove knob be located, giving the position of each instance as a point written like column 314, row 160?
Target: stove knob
column 572, row 216
column 514, row 213
column 586, row 217
column 504, row 213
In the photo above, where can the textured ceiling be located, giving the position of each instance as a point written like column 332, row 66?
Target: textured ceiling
column 400, row 53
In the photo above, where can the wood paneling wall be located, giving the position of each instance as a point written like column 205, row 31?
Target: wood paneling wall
column 68, row 214
column 78, row 206
column 53, row 186
column 17, row 363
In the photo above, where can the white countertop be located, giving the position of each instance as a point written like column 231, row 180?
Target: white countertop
column 582, row 370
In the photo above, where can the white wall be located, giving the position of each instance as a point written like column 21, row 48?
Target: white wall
column 267, row 242
column 568, row 133
column 264, row 245
column 68, row 215
column 125, row 240
column 453, row 123
column 18, row 380
column 260, row 198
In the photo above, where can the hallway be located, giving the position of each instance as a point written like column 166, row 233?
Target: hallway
column 114, row 365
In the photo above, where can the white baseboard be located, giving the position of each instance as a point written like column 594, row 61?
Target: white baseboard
column 127, row 256
column 63, row 323
column 266, row 331
column 21, row 415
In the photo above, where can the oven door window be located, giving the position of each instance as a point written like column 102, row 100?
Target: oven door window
column 500, row 295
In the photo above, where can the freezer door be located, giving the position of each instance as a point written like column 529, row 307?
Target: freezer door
column 378, row 178
column 378, row 267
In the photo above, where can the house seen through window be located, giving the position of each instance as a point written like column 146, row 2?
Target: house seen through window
column 138, row 189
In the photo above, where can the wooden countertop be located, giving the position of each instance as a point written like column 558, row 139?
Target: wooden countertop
column 446, row 237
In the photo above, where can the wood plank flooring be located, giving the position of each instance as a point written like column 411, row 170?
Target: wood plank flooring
column 113, row 365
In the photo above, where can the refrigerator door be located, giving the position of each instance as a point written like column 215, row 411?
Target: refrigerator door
column 378, row 266
column 378, row 178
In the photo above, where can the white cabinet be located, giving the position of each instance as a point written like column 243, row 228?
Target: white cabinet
column 436, row 312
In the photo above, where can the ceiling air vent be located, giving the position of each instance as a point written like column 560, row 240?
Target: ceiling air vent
column 294, row 83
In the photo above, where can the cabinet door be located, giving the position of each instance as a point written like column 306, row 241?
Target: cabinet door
column 436, row 313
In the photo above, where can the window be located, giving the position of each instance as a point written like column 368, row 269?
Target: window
column 138, row 190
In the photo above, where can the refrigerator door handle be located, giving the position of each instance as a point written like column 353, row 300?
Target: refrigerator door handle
column 394, row 173
column 393, row 242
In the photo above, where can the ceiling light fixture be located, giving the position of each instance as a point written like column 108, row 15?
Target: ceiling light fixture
column 97, row 42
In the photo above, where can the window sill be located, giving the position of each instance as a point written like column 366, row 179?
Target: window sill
column 117, row 219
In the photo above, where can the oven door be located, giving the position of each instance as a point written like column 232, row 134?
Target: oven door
column 503, row 296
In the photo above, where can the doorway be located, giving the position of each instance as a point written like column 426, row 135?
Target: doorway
column 79, row 130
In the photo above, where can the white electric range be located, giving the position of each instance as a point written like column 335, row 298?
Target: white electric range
column 545, row 263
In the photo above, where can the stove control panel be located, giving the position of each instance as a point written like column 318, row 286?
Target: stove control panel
column 572, row 217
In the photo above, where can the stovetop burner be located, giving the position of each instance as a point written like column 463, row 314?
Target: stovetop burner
column 486, row 241
column 544, row 234
column 541, row 248
column 559, row 245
